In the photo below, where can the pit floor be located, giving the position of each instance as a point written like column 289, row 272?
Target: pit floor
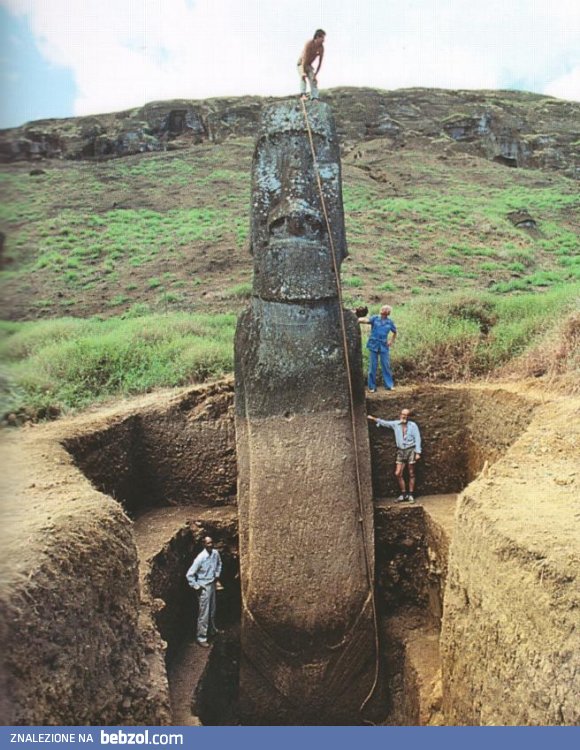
column 156, row 527
column 440, row 507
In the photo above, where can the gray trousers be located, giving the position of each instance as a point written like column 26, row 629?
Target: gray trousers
column 309, row 70
column 206, row 617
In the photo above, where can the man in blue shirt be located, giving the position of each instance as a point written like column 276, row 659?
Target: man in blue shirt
column 203, row 577
column 408, row 440
column 379, row 345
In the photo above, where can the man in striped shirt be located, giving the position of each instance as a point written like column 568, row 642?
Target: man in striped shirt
column 408, row 440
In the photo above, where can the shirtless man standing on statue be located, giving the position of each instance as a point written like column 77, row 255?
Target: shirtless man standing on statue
column 314, row 48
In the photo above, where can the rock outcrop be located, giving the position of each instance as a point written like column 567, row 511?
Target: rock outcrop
column 513, row 128
column 305, row 505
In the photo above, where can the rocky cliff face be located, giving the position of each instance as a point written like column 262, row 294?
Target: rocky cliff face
column 514, row 128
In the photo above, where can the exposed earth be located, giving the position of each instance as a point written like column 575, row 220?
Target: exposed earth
column 476, row 585
column 94, row 604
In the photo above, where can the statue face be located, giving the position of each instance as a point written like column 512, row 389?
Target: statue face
column 289, row 233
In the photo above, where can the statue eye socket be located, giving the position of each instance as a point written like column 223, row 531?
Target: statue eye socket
column 312, row 225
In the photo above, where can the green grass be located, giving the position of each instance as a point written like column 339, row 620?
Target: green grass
column 207, row 204
column 468, row 334
column 68, row 363
column 435, row 231
column 352, row 282
column 240, row 291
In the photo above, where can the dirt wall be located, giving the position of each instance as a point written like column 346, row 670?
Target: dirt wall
column 510, row 640
column 495, row 419
column 79, row 648
column 178, row 452
column 402, row 561
column 71, row 648
column 184, row 451
column 440, row 414
column 461, row 428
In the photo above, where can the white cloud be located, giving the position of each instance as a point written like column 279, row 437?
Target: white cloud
column 126, row 52
column 567, row 86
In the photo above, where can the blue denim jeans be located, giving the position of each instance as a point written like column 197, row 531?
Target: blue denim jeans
column 311, row 80
column 385, row 367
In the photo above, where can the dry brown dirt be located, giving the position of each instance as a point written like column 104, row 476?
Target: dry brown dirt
column 79, row 629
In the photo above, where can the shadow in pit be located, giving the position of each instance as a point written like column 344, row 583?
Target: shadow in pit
column 215, row 698
column 175, row 613
column 145, row 462
column 411, row 558
column 412, row 547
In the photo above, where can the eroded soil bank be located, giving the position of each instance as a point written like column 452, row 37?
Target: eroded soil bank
column 76, row 491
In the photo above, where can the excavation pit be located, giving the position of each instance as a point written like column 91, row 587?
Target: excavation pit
column 144, row 463
column 168, row 464
column 412, row 546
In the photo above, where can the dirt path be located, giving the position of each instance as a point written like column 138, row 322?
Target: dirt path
column 184, row 675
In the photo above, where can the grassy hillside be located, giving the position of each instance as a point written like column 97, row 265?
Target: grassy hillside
column 170, row 230
column 63, row 364
column 137, row 241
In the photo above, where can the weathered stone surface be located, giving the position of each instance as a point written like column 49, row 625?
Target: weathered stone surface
column 514, row 128
column 306, row 541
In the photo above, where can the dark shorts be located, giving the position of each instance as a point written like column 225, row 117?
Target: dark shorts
column 405, row 455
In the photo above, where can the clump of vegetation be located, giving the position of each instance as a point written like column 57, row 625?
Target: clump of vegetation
column 241, row 291
column 476, row 308
column 470, row 334
column 64, row 364
column 556, row 356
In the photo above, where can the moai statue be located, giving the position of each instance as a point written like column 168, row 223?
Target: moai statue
column 305, row 512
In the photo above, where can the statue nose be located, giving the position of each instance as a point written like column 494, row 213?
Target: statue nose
column 296, row 224
column 293, row 220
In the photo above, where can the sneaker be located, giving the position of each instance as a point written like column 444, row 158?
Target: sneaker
column 410, row 498
column 400, row 499
column 203, row 644
column 372, row 390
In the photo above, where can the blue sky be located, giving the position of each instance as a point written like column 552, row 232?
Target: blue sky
column 31, row 87
column 76, row 57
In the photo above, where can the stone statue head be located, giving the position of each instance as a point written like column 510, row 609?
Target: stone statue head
column 290, row 239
